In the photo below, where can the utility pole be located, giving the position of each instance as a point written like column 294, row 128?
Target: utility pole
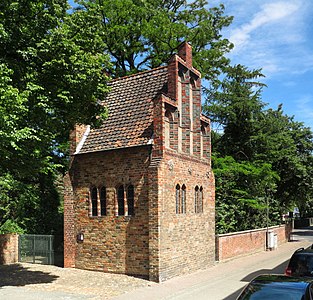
column 267, row 217
column 267, row 221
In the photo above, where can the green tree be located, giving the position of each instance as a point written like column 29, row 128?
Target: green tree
column 50, row 79
column 252, row 138
column 288, row 146
column 144, row 34
column 242, row 194
column 235, row 103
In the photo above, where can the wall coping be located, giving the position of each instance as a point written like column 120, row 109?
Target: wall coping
column 249, row 231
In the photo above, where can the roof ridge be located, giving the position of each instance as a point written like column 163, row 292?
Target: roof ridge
column 139, row 73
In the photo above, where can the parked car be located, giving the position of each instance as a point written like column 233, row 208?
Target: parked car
column 278, row 287
column 301, row 263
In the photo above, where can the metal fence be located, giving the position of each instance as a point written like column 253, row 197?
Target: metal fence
column 37, row 249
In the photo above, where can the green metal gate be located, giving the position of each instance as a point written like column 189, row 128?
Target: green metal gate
column 36, row 249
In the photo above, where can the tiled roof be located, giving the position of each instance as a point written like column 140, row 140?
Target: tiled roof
column 130, row 112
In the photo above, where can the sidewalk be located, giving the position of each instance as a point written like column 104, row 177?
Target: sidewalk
column 221, row 281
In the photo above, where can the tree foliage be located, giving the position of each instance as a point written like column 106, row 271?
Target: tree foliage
column 235, row 103
column 50, row 79
column 288, row 146
column 256, row 139
column 143, row 34
column 54, row 68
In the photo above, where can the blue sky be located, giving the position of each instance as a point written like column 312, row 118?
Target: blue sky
column 276, row 36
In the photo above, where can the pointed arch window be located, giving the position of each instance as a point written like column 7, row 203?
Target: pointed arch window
column 94, row 201
column 177, row 199
column 183, row 199
column 130, row 200
column 198, row 199
column 120, row 201
column 180, row 199
column 103, row 201
column 201, row 200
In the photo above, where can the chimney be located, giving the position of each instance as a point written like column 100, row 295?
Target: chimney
column 185, row 52
column 77, row 137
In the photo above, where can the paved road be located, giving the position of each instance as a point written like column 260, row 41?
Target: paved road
column 222, row 281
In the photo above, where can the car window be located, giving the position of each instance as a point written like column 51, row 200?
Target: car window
column 310, row 264
column 258, row 292
column 302, row 265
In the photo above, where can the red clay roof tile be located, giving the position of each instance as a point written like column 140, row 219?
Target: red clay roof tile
column 130, row 112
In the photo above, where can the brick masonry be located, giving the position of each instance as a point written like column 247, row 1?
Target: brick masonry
column 241, row 243
column 8, row 249
column 111, row 243
column 185, row 239
column 156, row 242
column 228, row 246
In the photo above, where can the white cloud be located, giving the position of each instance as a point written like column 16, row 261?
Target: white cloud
column 269, row 13
column 277, row 37
column 272, row 35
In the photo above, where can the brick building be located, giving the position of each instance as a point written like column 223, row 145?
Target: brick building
column 139, row 196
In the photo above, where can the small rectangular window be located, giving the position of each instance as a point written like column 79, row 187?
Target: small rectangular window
column 196, row 199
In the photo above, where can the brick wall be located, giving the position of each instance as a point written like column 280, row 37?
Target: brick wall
column 180, row 243
column 75, row 136
column 155, row 243
column 8, row 249
column 240, row 243
column 185, row 52
column 69, row 222
column 186, row 239
column 112, row 243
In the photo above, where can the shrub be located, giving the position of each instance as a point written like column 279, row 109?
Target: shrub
column 10, row 227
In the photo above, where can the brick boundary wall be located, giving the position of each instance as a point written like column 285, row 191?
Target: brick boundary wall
column 228, row 245
column 8, row 249
column 231, row 245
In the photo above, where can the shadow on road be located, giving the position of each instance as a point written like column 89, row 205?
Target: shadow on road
column 303, row 233
column 280, row 269
column 17, row 275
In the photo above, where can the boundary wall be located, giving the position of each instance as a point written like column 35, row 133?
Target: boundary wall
column 231, row 245
column 228, row 246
